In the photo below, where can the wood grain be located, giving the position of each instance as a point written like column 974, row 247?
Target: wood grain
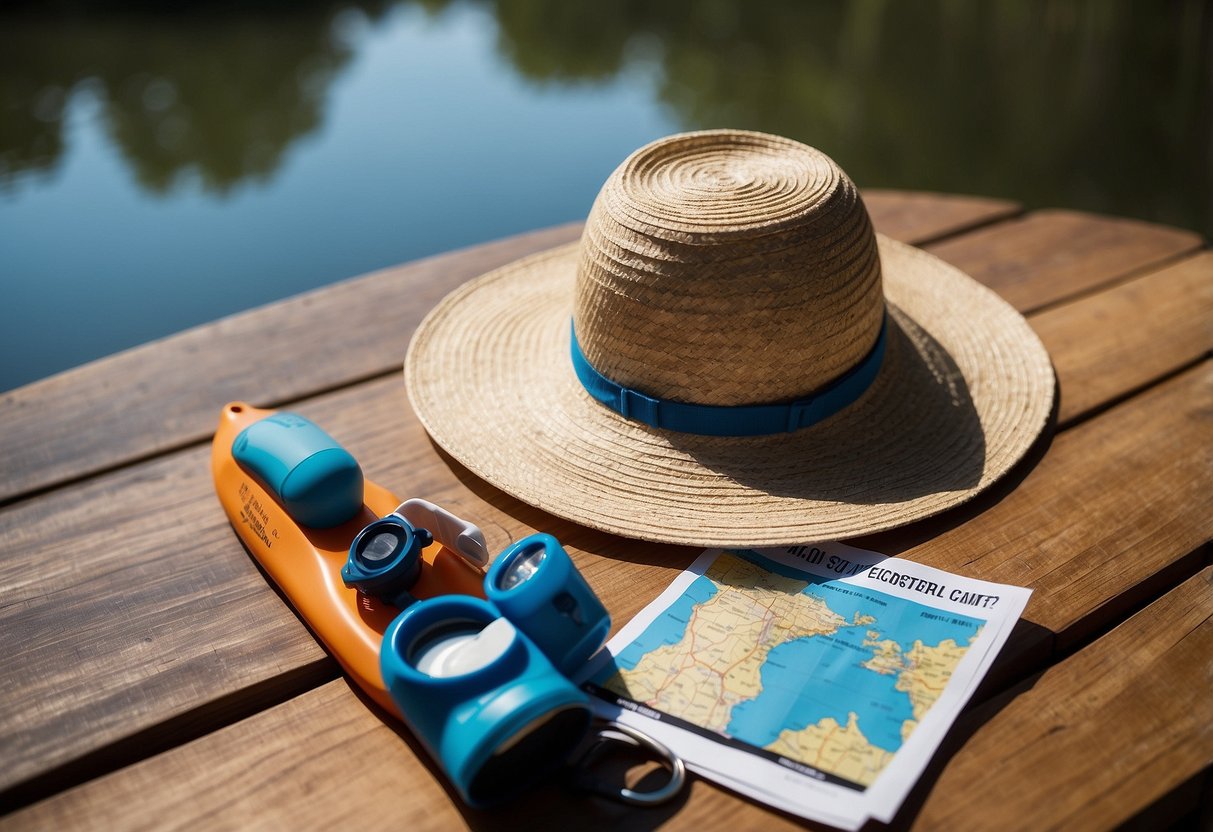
column 1049, row 256
column 160, row 396
column 1100, row 736
column 1129, row 335
column 128, row 602
column 1117, row 508
column 167, row 615
column 920, row 218
column 302, row 765
column 325, row 760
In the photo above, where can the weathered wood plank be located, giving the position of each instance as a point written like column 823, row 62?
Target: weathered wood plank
column 919, row 218
column 296, row 766
column 324, row 758
column 1116, row 510
column 1098, row 737
column 1129, row 335
column 127, row 601
column 161, row 395
column 164, row 556
column 1049, row 256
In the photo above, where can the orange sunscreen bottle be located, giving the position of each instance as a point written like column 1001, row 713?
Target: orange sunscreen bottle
column 297, row 500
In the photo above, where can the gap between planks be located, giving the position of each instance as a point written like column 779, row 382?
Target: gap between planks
column 596, row 577
column 389, row 372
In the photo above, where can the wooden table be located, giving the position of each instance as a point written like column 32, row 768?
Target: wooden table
column 153, row 679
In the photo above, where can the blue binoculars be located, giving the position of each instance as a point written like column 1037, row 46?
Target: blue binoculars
column 482, row 698
column 484, row 684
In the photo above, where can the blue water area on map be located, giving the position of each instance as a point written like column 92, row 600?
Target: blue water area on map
column 667, row 628
column 809, row 679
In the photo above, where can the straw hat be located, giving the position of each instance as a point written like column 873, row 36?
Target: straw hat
column 730, row 282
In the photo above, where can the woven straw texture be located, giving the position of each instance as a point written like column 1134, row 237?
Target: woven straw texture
column 692, row 281
column 726, row 268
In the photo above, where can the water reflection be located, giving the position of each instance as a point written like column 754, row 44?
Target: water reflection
column 378, row 131
column 1086, row 104
column 1083, row 103
column 1078, row 102
column 188, row 91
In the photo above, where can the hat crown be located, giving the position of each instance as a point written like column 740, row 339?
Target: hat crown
column 727, row 267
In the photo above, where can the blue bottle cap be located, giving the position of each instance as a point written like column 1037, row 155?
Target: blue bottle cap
column 317, row 481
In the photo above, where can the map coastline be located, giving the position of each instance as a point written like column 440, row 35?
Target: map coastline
column 796, row 667
column 614, row 698
column 717, row 669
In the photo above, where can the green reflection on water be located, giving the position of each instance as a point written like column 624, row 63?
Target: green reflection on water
column 217, row 93
column 1098, row 105
column 1094, row 104
column 1086, row 103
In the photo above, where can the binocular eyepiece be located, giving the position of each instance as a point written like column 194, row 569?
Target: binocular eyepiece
column 385, row 560
column 536, row 586
column 385, row 557
column 481, row 696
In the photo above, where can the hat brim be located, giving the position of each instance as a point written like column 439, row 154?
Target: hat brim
column 964, row 390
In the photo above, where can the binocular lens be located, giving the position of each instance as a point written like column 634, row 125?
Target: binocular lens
column 456, row 648
column 380, row 547
column 522, row 568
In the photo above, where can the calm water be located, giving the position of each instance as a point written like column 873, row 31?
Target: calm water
column 159, row 169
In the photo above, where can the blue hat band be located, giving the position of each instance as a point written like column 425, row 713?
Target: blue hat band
column 738, row 420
